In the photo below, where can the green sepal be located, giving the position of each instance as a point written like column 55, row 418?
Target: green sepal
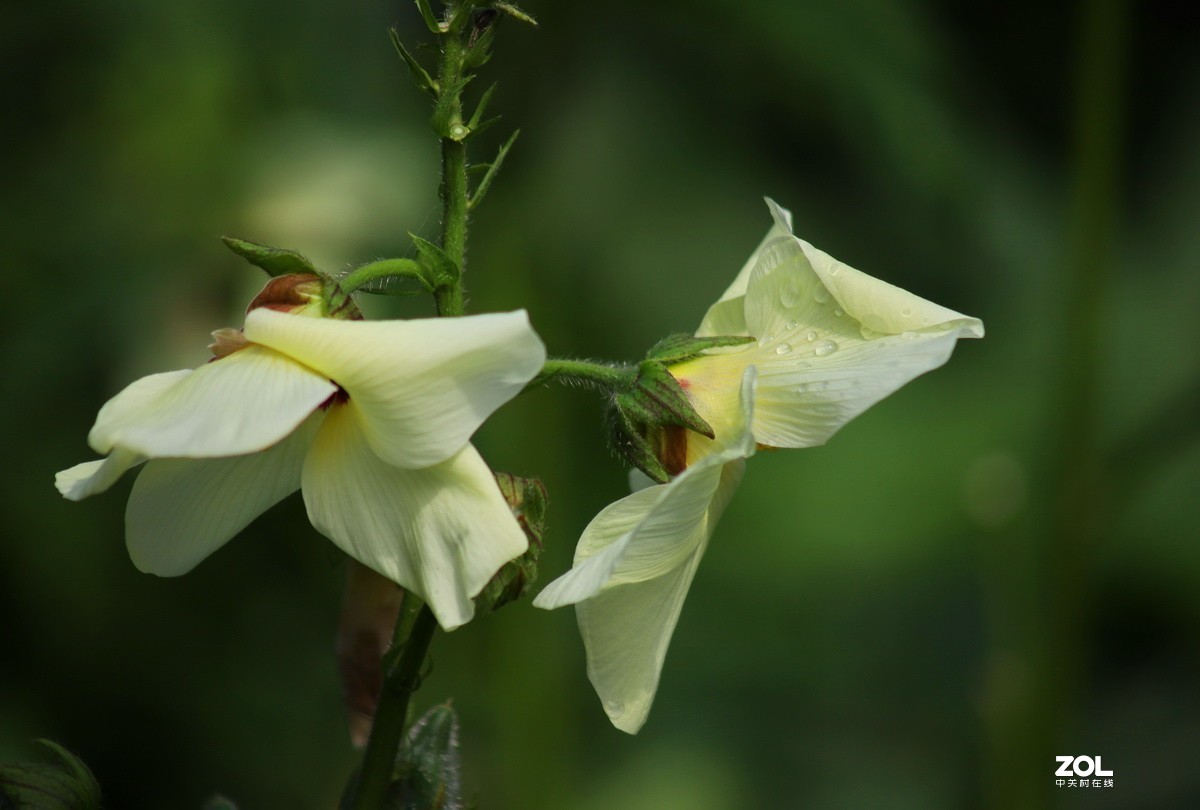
column 441, row 269
column 64, row 785
column 420, row 77
column 275, row 261
column 515, row 13
column 528, row 500
column 493, row 169
column 431, row 21
column 639, row 418
column 681, row 347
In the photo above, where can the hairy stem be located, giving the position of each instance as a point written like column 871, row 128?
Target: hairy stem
column 412, row 638
column 599, row 376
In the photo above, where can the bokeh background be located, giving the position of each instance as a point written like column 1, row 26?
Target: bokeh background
column 996, row 565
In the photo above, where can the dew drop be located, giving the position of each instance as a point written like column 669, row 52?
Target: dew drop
column 867, row 332
column 824, row 386
column 812, row 335
column 910, row 335
column 825, row 347
column 614, row 708
column 790, row 325
column 906, row 311
column 821, row 295
column 837, row 313
column 783, row 348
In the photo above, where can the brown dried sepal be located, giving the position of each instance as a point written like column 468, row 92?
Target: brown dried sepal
column 290, row 292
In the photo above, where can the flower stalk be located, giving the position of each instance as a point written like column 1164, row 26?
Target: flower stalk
column 414, row 632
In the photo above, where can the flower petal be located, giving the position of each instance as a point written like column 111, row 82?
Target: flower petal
column 422, row 387
column 654, row 530
column 626, row 632
column 626, row 629
column 442, row 531
column 92, row 477
column 820, row 365
column 238, row 404
column 181, row 510
column 726, row 316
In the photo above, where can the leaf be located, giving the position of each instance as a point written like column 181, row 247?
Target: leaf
column 275, row 261
column 420, row 77
column 442, row 269
column 64, row 785
column 486, row 181
column 429, row 765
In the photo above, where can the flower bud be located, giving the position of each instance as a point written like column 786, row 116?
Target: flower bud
column 306, row 294
column 528, row 500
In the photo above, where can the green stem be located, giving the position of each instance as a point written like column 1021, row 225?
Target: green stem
column 379, row 761
column 598, row 376
column 449, row 297
column 387, row 268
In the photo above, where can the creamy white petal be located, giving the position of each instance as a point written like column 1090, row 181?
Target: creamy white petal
column 726, row 316
column 626, row 629
column 880, row 306
column 240, row 404
column 442, row 531
column 819, row 365
column 654, row 530
column 183, row 509
column 626, row 632
column 422, row 386
column 92, row 477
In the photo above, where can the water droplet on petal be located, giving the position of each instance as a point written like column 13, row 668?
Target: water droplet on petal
column 614, row 708
column 867, row 332
column 837, row 313
column 790, row 325
column 910, row 335
column 825, row 347
column 783, row 348
column 812, row 335
column 824, row 386
column 821, row 295
column 906, row 311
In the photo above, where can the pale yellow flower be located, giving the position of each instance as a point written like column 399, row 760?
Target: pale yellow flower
column 370, row 419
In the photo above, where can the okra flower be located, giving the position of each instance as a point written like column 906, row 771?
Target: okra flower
column 828, row 342
column 370, row 419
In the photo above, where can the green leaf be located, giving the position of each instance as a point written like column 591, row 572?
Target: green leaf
column 443, row 270
column 477, row 116
column 431, row 21
column 492, row 171
column 680, row 347
column 515, row 13
column 429, row 765
column 64, row 785
column 420, row 77
column 275, row 261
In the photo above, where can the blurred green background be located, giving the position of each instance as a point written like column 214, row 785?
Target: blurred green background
column 992, row 567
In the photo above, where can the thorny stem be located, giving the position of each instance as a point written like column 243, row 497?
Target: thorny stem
column 449, row 297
